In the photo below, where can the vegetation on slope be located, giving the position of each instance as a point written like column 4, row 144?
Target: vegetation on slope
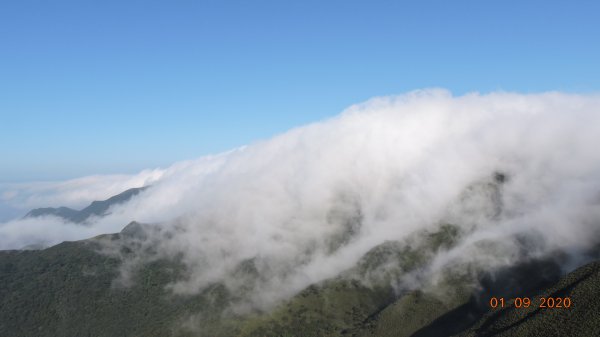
column 71, row 290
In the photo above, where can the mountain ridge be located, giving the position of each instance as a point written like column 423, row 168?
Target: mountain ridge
column 95, row 208
column 70, row 290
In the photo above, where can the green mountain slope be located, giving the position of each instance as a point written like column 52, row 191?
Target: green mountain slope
column 582, row 287
column 71, row 290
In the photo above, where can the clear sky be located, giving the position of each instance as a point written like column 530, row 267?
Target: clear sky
column 93, row 87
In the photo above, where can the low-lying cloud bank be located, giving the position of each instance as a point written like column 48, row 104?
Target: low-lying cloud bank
column 307, row 204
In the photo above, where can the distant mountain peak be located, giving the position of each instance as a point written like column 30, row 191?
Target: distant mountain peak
column 96, row 208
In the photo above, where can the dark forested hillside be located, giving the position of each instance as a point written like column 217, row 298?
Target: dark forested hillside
column 72, row 290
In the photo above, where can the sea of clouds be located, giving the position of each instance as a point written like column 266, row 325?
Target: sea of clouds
column 307, row 204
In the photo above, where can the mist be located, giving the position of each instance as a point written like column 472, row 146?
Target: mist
column 309, row 203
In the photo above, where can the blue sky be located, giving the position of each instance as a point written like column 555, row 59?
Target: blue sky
column 94, row 87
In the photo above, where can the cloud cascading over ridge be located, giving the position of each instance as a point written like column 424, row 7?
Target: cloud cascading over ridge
column 307, row 204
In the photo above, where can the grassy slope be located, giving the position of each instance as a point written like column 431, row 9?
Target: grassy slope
column 582, row 319
column 67, row 290
column 345, row 307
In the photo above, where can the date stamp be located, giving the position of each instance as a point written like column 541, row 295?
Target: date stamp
column 526, row 302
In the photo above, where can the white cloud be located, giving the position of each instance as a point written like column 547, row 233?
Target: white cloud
column 383, row 169
column 76, row 193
